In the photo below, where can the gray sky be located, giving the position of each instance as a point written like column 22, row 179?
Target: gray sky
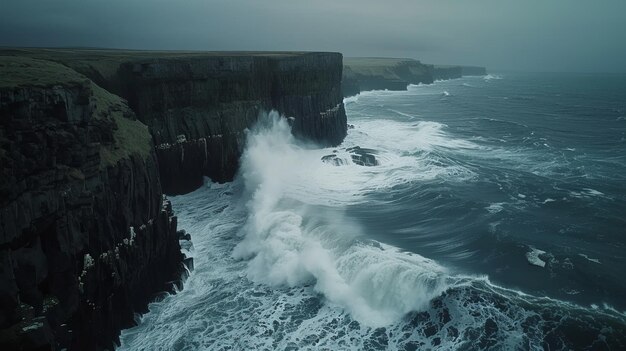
column 535, row 35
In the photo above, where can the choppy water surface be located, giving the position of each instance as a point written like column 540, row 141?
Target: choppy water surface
column 478, row 213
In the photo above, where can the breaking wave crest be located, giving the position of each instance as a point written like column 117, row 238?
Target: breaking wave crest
column 288, row 244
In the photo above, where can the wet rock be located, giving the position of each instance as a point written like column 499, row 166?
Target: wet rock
column 333, row 160
column 188, row 261
column 363, row 156
column 183, row 235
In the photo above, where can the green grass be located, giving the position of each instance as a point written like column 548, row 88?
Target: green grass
column 24, row 71
column 130, row 137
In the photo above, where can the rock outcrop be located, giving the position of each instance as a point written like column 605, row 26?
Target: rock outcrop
column 366, row 73
column 86, row 236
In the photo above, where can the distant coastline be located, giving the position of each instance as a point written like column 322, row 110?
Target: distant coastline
column 381, row 73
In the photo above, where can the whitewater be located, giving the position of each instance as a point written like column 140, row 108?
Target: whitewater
column 311, row 249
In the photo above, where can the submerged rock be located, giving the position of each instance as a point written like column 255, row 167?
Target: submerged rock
column 362, row 156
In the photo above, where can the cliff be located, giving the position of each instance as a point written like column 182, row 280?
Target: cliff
column 198, row 105
column 89, row 141
column 442, row 72
column 379, row 73
column 86, row 238
column 361, row 74
column 473, row 71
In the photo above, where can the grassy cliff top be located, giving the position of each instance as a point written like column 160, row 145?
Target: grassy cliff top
column 25, row 71
column 375, row 61
column 107, row 61
column 130, row 137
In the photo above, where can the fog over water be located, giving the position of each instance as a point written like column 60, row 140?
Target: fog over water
column 558, row 35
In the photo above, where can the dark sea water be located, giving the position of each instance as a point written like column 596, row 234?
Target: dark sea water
column 494, row 217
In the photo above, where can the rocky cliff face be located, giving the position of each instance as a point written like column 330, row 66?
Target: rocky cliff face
column 198, row 108
column 473, row 71
column 198, row 105
column 86, row 237
column 362, row 74
column 377, row 73
column 447, row 72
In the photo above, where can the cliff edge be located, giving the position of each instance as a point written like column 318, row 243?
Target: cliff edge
column 86, row 237
column 198, row 104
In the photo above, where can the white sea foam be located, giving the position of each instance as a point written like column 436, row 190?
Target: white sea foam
column 351, row 99
column 533, row 257
column 594, row 260
column 492, row 77
column 495, row 207
column 403, row 114
column 587, row 192
column 376, row 284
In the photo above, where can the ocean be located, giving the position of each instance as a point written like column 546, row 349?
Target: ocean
column 481, row 213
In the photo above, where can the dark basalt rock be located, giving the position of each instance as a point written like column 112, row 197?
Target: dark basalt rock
column 181, row 165
column 212, row 100
column 360, row 156
column 333, row 160
column 86, row 237
column 363, row 156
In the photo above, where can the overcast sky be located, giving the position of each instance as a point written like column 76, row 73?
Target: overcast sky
column 535, row 35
